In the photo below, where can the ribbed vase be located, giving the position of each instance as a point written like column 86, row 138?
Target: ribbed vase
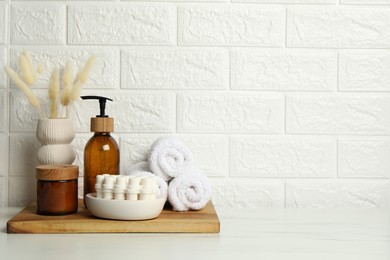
column 55, row 136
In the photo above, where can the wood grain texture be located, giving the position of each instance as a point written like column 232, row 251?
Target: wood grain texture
column 57, row 172
column 202, row 221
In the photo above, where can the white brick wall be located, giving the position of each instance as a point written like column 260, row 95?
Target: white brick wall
column 3, row 59
column 338, row 114
column 3, row 100
column 122, row 23
column 175, row 68
column 249, row 193
column 365, row 2
column 4, row 157
column 284, row 103
column 268, row 69
column 3, row 23
column 364, row 158
column 338, row 27
column 259, row 156
column 364, row 71
column 230, row 112
column 354, row 193
column 22, row 150
column 141, row 112
column 216, row 24
column 37, row 23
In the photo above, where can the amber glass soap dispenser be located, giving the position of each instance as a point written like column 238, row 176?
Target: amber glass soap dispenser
column 101, row 155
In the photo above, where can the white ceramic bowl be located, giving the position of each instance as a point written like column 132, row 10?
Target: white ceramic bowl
column 124, row 209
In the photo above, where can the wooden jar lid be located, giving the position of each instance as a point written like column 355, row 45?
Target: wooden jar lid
column 57, row 172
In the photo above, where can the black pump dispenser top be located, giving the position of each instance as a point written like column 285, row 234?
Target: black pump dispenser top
column 102, row 104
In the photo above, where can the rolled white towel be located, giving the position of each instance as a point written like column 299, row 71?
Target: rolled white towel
column 168, row 158
column 189, row 191
column 141, row 169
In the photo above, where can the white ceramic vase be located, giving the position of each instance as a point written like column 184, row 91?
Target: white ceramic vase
column 55, row 136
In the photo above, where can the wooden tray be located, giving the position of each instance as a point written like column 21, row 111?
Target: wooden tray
column 202, row 221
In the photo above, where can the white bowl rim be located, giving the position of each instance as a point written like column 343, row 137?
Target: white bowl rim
column 92, row 195
column 119, row 216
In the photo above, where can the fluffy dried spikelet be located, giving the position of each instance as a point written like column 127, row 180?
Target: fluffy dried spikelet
column 67, row 76
column 26, row 69
column 67, row 82
column 34, row 101
column 65, row 97
column 54, row 86
column 28, row 57
column 40, row 68
column 54, row 89
column 84, row 73
column 82, row 77
column 75, row 94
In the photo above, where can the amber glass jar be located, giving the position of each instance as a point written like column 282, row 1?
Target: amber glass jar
column 57, row 189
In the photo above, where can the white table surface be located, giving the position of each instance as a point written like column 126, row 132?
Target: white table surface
column 314, row 234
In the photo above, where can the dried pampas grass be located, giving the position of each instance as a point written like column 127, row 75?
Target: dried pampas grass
column 81, row 78
column 34, row 101
column 84, row 73
column 54, row 90
column 27, row 70
column 67, row 83
column 40, row 68
column 71, row 88
column 13, row 75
